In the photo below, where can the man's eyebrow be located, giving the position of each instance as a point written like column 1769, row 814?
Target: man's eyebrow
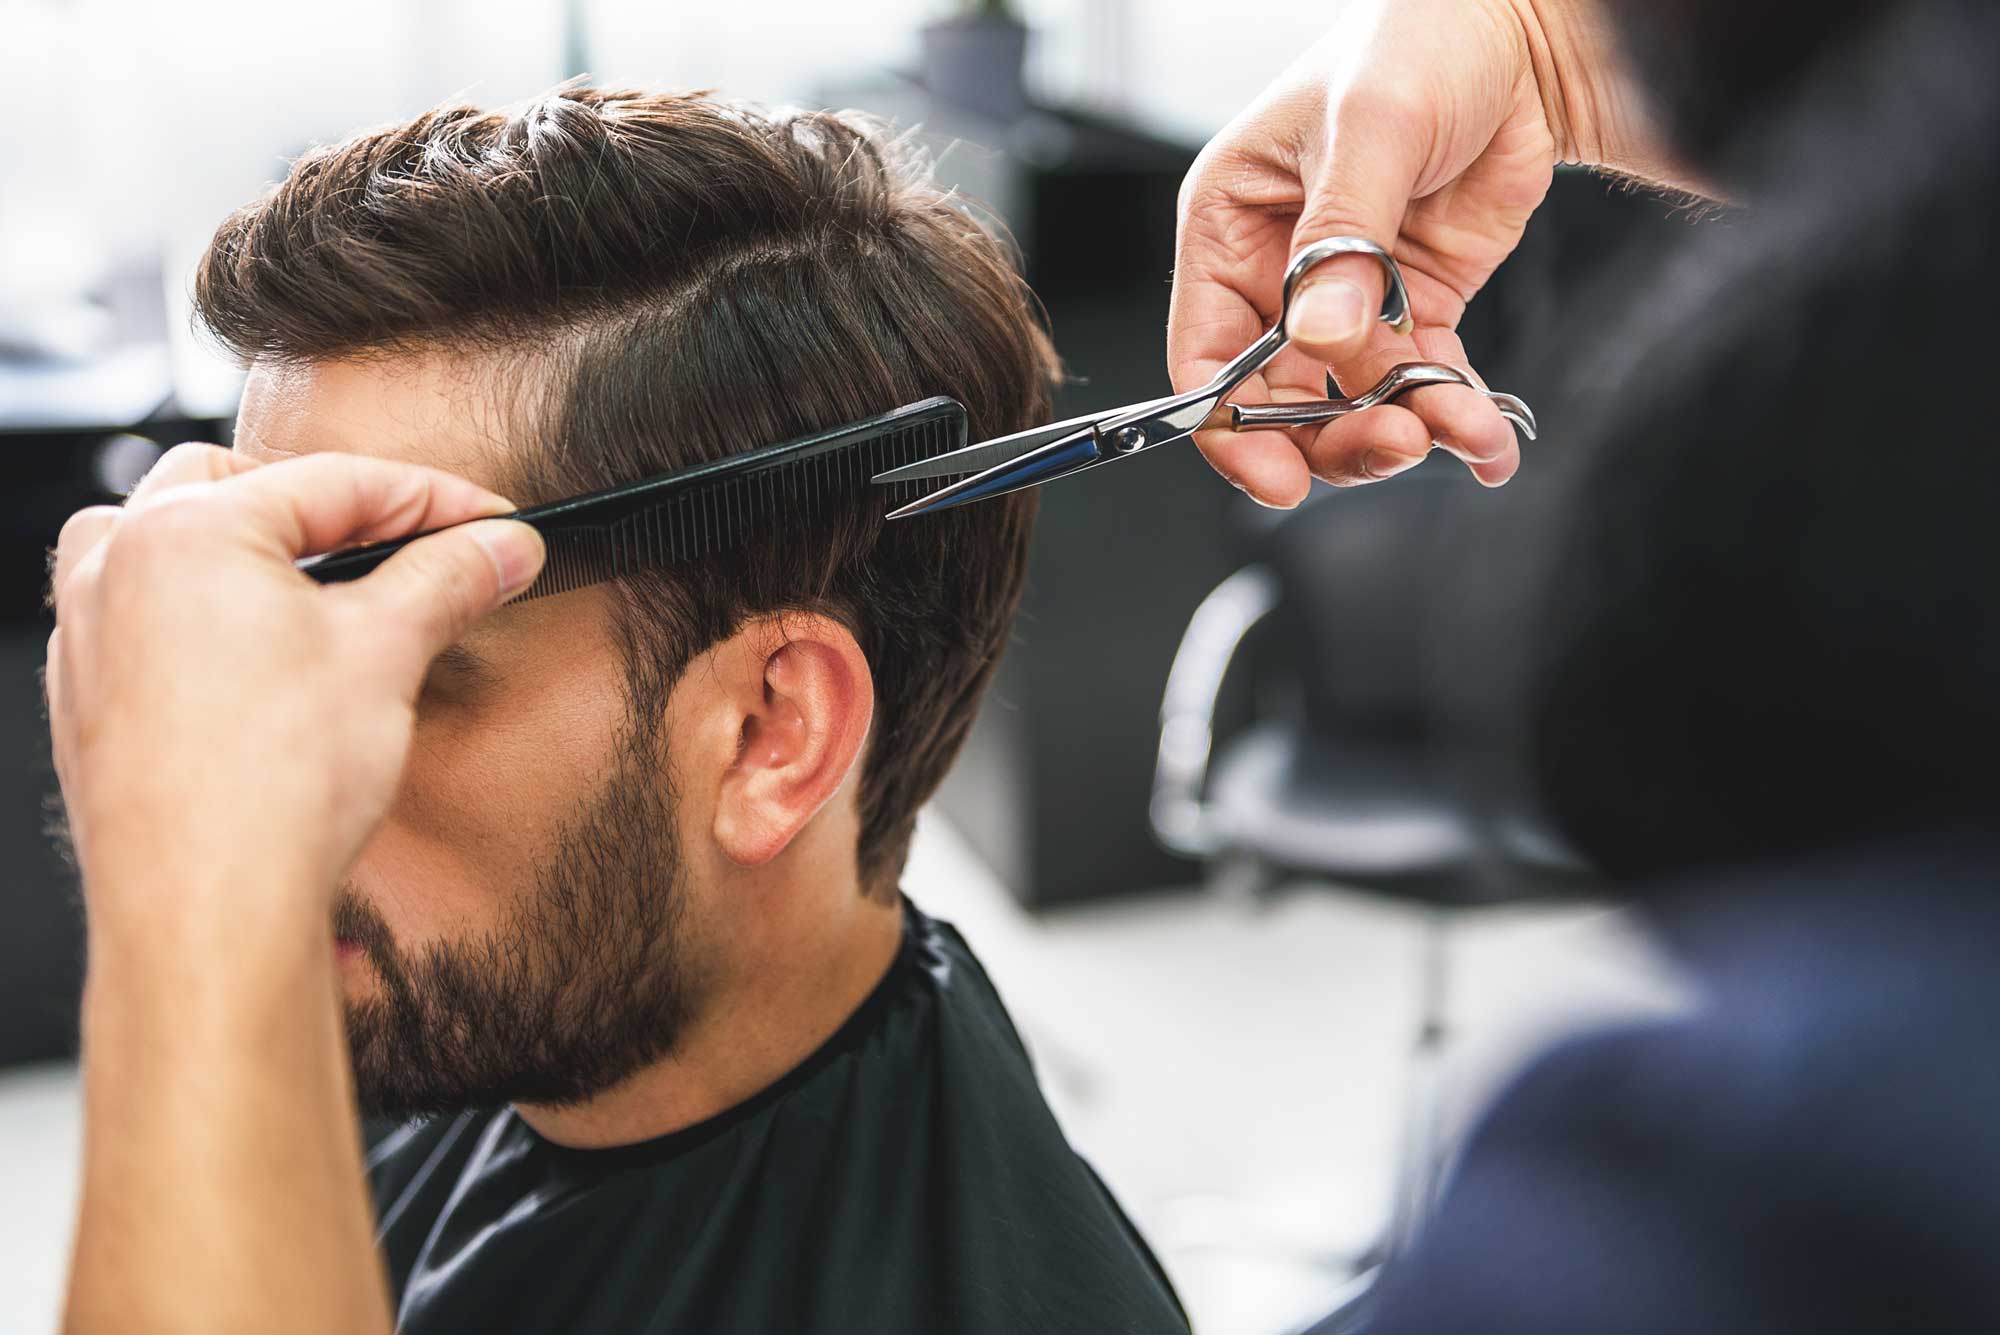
column 457, row 658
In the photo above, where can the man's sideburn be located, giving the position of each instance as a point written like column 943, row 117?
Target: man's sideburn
column 583, row 982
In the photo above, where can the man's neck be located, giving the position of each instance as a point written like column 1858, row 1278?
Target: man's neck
column 807, row 962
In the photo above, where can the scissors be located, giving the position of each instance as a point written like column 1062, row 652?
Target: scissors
column 1061, row 449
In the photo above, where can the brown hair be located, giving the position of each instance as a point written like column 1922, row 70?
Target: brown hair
column 679, row 279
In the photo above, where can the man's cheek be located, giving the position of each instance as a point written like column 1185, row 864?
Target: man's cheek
column 426, row 886
column 480, row 801
column 462, row 828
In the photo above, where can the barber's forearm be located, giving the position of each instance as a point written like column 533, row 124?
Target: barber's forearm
column 1590, row 99
column 222, row 1186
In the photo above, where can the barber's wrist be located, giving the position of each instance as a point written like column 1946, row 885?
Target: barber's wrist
column 192, row 997
column 1592, row 104
column 217, row 920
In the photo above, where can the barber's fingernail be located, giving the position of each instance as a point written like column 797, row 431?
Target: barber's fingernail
column 1380, row 463
column 1487, row 452
column 515, row 550
column 1330, row 311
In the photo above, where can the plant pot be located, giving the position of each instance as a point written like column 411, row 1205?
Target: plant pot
column 977, row 64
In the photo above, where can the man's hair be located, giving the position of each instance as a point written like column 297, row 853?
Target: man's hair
column 667, row 279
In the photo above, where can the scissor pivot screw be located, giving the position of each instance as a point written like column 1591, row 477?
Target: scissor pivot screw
column 1129, row 439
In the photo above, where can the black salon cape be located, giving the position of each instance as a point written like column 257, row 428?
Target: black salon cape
column 907, row 1179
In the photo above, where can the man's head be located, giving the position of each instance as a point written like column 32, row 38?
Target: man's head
column 612, row 790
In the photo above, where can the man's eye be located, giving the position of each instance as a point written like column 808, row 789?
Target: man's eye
column 443, row 683
column 455, row 675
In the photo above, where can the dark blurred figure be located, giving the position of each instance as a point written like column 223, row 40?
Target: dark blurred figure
column 1759, row 682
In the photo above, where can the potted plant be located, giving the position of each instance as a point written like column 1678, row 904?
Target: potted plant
column 976, row 57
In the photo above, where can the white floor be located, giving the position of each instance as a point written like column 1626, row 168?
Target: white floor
column 1233, row 1070
column 38, row 1160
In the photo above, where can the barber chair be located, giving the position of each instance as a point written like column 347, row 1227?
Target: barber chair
column 1354, row 767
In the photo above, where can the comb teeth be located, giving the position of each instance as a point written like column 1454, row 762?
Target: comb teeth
column 711, row 507
column 784, row 485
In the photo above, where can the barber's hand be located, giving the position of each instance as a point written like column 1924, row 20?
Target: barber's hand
column 1430, row 127
column 218, row 718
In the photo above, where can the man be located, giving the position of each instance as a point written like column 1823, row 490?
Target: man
column 613, row 894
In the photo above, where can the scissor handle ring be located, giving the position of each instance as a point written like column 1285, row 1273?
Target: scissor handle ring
column 1395, row 314
column 1395, row 298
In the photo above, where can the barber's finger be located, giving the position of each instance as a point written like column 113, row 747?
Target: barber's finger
column 1264, row 465
column 1464, row 422
column 81, row 533
column 187, row 463
column 1229, row 268
column 1361, row 186
column 324, row 501
column 427, row 595
column 1224, row 276
column 1459, row 419
column 1369, row 446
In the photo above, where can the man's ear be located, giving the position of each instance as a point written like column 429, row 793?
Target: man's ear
column 805, row 698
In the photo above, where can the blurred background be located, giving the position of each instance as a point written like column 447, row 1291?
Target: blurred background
column 1270, row 944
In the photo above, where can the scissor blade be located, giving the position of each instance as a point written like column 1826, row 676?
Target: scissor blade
column 984, row 455
column 1057, row 458
column 990, row 453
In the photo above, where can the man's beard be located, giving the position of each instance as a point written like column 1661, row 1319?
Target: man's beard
column 583, row 982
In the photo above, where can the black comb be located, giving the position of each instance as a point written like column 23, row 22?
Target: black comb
column 695, row 512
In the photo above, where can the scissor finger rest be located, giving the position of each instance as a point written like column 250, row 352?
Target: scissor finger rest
column 1400, row 379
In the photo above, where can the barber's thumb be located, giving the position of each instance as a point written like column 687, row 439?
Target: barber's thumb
column 1333, row 312
column 439, row 585
column 514, row 548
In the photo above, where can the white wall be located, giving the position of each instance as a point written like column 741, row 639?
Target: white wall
column 128, row 128
column 122, row 103
column 134, row 118
column 1182, row 66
